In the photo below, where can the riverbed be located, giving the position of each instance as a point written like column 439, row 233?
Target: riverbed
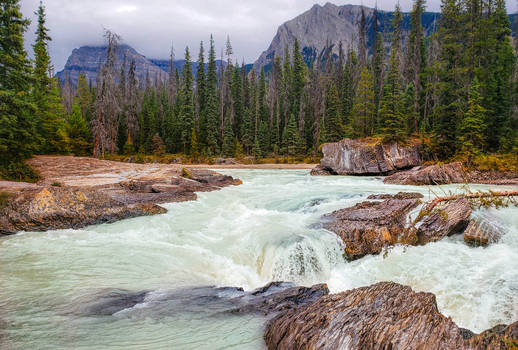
column 267, row 229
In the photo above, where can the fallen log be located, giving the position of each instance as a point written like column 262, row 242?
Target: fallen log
column 474, row 195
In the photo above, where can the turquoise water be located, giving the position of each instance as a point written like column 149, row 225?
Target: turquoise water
column 264, row 230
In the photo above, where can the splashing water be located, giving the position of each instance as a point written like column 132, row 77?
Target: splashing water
column 264, row 230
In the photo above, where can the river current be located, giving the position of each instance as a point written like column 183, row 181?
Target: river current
column 264, row 230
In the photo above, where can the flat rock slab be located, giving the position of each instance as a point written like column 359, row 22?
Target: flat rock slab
column 368, row 227
column 385, row 315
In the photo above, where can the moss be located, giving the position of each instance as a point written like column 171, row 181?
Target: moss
column 186, row 173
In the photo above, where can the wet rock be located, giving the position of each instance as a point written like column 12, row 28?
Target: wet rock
column 319, row 170
column 270, row 299
column 50, row 208
column 368, row 227
column 211, row 178
column 400, row 195
column 366, row 157
column 445, row 221
column 385, row 315
column 430, row 175
column 480, row 233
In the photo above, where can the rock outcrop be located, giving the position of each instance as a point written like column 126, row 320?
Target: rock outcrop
column 430, row 175
column 362, row 157
column 76, row 192
column 444, row 221
column 268, row 300
column 368, row 227
column 385, row 315
column 50, row 208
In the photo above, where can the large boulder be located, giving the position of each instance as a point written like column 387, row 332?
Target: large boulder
column 50, row 208
column 366, row 157
column 444, row 221
column 439, row 174
column 385, row 315
column 368, row 227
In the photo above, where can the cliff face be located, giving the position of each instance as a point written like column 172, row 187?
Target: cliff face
column 331, row 23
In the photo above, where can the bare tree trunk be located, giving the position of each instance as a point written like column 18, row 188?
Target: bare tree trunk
column 438, row 200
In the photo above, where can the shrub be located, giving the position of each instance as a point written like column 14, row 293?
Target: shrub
column 19, row 171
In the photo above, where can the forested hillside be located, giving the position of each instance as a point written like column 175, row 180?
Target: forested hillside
column 455, row 91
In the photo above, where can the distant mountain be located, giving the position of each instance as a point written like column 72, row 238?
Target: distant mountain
column 331, row 23
column 86, row 60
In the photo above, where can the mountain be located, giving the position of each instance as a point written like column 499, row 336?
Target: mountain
column 86, row 60
column 332, row 23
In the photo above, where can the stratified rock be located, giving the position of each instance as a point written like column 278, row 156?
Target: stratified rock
column 50, row 208
column 212, row 178
column 399, row 195
column 368, row 227
column 270, row 299
column 430, row 175
column 385, row 315
column 479, row 233
column 159, row 188
column 365, row 157
column 442, row 222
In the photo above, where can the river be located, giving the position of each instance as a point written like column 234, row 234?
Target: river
column 264, row 230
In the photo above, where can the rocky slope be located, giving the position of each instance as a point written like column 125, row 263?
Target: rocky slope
column 385, row 315
column 366, row 157
column 332, row 23
column 76, row 192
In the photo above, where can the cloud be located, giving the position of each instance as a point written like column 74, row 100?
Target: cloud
column 151, row 25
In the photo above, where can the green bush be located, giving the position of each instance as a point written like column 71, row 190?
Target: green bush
column 19, row 171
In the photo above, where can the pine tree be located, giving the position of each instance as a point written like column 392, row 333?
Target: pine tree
column 228, row 141
column 78, row 132
column 363, row 114
column 290, row 137
column 187, row 107
column 211, row 110
column 17, row 131
column 50, row 113
column 472, row 127
column 392, row 111
column 333, row 125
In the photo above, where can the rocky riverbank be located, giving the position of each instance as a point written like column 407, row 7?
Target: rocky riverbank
column 75, row 192
column 401, row 164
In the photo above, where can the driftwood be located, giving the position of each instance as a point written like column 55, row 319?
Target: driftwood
column 490, row 194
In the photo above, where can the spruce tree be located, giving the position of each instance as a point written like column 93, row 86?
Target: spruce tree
column 78, row 132
column 211, row 107
column 290, row 137
column 333, row 125
column 228, row 140
column 472, row 126
column 363, row 114
column 17, row 133
column 187, row 107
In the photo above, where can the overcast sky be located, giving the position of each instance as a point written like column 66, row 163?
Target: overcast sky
column 151, row 25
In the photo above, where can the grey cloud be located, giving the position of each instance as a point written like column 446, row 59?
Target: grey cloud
column 151, row 25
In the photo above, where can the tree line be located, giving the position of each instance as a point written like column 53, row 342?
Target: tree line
column 455, row 91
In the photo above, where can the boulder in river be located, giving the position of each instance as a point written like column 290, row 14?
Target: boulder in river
column 367, row 157
column 268, row 300
column 444, row 221
column 438, row 174
column 481, row 233
column 385, row 315
column 368, row 227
